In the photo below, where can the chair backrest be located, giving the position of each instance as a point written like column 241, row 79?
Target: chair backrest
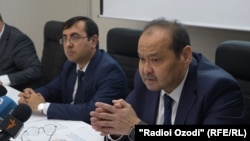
column 233, row 56
column 53, row 56
column 122, row 46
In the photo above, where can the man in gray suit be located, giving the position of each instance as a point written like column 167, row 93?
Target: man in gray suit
column 20, row 66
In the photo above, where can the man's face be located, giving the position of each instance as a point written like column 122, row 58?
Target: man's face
column 76, row 45
column 159, row 68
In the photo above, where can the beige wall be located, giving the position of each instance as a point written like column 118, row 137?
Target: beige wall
column 31, row 15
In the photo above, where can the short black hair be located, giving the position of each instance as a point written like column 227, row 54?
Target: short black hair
column 91, row 27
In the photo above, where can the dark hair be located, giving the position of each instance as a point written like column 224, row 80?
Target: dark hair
column 180, row 37
column 1, row 19
column 91, row 27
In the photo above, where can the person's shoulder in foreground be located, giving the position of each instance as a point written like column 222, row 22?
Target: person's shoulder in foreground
column 103, row 80
column 202, row 93
column 20, row 65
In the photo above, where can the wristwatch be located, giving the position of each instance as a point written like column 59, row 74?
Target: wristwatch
column 131, row 134
column 40, row 108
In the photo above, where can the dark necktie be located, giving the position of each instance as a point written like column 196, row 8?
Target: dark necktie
column 167, row 109
column 78, row 95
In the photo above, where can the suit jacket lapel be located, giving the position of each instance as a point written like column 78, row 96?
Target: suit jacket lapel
column 3, row 39
column 88, row 76
column 92, row 66
column 152, row 103
column 188, row 95
column 72, row 75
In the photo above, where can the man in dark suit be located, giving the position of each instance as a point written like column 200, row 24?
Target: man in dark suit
column 20, row 66
column 103, row 80
column 201, row 92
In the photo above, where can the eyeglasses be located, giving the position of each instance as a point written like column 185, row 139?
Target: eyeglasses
column 72, row 39
column 33, row 132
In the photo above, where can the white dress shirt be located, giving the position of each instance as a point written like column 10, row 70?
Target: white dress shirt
column 47, row 104
column 175, row 95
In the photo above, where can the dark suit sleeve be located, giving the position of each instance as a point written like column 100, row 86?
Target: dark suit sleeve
column 26, row 60
column 125, row 137
column 103, row 84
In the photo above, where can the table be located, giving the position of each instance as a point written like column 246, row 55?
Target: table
column 66, row 130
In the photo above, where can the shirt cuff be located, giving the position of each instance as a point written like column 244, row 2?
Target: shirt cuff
column 5, row 79
column 46, row 107
column 111, row 139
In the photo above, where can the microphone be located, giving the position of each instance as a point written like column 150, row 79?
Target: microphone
column 13, row 122
column 6, row 103
column 3, row 90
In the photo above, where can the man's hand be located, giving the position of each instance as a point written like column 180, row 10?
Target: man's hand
column 115, row 119
column 31, row 98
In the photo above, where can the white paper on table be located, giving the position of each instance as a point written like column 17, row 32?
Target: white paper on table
column 12, row 93
column 66, row 131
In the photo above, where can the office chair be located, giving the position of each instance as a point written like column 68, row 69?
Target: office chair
column 53, row 56
column 122, row 46
column 233, row 56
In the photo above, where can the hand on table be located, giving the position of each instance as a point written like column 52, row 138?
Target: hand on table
column 31, row 98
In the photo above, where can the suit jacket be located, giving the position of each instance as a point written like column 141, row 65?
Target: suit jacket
column 104, row 80
column 209, row 96
column 18, row 58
